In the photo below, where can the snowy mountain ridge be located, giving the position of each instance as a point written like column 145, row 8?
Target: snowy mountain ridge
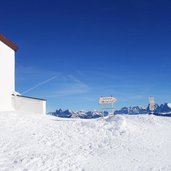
column 163, row 108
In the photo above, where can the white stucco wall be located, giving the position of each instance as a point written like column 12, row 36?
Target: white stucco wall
column 28, row 105
column 7, row 76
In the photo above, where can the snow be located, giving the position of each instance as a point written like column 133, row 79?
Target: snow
column 169, row 105
column 120, row 143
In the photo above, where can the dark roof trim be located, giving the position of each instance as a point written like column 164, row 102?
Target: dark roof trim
column 8, row 42
column 30, row 97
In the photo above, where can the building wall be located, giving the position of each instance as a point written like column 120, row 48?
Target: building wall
column 28, row 105
column 7, row 76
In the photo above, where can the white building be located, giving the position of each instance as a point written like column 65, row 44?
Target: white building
column 9, row 100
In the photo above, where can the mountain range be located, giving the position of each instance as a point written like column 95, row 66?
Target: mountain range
column 163, row 109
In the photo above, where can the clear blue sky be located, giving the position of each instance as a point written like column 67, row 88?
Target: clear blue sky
column 93, row 48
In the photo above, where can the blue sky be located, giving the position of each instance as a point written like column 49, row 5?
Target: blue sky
column 77, row 51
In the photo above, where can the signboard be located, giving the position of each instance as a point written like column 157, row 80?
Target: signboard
column 107, row 100
column 152, row 103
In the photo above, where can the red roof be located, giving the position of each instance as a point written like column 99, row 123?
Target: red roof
column 8, row 42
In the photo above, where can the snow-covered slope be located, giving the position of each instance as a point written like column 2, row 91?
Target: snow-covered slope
column 120, row 143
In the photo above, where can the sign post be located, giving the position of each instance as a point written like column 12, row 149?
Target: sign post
column 152, row 104
column 107, row 100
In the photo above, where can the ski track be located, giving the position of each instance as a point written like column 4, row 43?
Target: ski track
column 120, row 143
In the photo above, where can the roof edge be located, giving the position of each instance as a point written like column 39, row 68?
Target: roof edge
column 35, row 98
column 8, row 42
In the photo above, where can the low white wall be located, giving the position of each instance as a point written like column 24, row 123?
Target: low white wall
column 29, row 105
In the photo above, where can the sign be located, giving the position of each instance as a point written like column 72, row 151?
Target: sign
column 152, row 103
column 107, row 100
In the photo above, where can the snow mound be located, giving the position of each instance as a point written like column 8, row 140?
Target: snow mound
column 119, row 120
column 116, row 123
column 110, row 124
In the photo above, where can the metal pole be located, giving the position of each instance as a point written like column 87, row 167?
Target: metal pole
column 101, row 106
column 112, row 108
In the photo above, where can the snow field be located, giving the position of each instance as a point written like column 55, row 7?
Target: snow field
column 120, row 143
